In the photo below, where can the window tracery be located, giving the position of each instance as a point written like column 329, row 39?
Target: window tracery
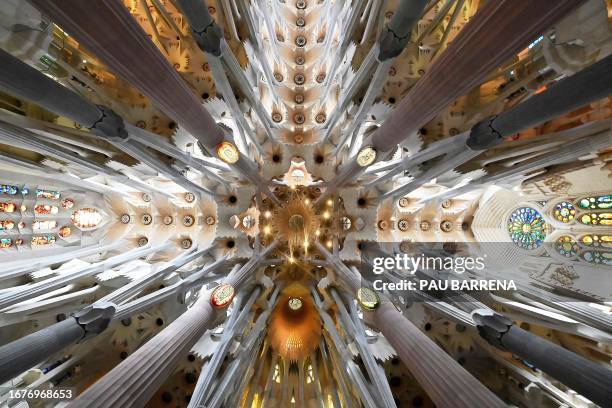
column 48, row 194
column 602, row 202
column 527, row 228
column 564, row 211
column 86, row 218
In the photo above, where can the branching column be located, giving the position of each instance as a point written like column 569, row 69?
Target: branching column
column 107, row 30
column 498, row 31
column 30, row 350
column 445, row 381
column 585, row 377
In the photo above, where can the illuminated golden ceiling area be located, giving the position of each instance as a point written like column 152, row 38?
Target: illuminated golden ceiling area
column 207, row 249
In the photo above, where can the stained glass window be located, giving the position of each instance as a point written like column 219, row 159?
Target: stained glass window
column 43, row 225
column 5, row 243
column 86, row 218
column 597, row 240
column 8, row 207
column 48, row 194
column 41, row 240
column 598, row 257
column 46, row 209
column 602, row 202
column 6, row 225
column 564, row 211
column 596, row 219
column 67, row 203
column 527, row 228
column 567, row 246
column 8, row 189
column 65, row 231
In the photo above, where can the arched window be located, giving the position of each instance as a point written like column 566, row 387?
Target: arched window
column 46, row 209
column 44, row 225
column 8, row 207
column 602, row 202
column 596, row 219
column 6, row 225
column 48, row 194
column 86, row 218
column 8, row 189
column 42, row 240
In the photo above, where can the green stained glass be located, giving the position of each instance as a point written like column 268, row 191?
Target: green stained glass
column 527, row 228
column 602, row 202
column 564, row 211
column 567, row 246
column 596, row 219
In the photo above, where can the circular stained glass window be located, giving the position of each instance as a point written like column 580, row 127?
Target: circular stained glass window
column 567, row 246
column 564, row 211
column 527, row 228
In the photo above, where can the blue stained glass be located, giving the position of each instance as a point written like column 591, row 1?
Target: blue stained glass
column 8, row 189
column 527, row 228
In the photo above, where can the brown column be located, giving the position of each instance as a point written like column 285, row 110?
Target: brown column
column 445, row 381
column 498, row 31
column 107, row 30
column 133, row 382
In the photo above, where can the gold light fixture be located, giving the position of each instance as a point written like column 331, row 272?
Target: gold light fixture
column 228, row 152
column 366, row 156
column 367, row 298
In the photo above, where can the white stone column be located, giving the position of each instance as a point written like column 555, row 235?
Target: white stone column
column 445, row 381
column 137, row 378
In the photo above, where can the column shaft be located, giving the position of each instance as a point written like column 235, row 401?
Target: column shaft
column 19, row 79
column 570, row 93
column 133, row 382
column 583, row 376
column 107, row 29
column 445, row 381
column 26, row 352
column 498, row 31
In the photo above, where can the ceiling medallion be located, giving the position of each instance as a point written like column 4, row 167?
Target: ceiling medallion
column 366, row 156
column 186, row 243
column 228, row 152
column 367, row 298
column 190, row 197
column 222, row 296
column 295, row 304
